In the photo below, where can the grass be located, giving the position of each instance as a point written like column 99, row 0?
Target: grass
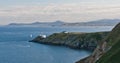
column 113, row 41
column 112, row 56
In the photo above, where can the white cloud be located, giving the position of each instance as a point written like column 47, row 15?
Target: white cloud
column 65, row 12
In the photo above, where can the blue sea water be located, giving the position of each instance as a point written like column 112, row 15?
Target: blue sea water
column 15, row 48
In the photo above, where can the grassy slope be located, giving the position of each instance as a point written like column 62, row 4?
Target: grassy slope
column 73, row 37
column 74, row 40
column 113, row 55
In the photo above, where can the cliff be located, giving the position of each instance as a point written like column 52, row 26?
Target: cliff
column 108, row 50
column 73, row 40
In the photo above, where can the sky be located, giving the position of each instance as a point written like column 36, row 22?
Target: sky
column 27, row 11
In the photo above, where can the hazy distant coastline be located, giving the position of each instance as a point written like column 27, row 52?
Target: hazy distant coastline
column 102, row 22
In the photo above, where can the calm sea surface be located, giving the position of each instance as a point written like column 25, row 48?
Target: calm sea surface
column 15, row 48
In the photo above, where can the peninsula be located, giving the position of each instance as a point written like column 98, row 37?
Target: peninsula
column 105, row 45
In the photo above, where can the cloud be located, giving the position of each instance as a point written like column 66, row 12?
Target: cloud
column 65, row 12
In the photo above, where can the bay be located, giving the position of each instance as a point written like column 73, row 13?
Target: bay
column 15, row 48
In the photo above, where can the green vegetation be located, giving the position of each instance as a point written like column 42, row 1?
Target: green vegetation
column 113, row 55
column 108, row 50
column 74, row 40
column 113, row 36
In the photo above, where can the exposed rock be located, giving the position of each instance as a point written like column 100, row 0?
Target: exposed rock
column 107, row 50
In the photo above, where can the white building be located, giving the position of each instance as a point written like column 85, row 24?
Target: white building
column 43, row 36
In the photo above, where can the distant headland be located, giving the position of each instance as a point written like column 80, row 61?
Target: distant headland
column 102, row 22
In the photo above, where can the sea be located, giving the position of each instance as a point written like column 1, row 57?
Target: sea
column 16, row 48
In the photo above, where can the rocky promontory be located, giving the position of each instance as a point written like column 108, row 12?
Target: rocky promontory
column 106, row 45
column 73, row 39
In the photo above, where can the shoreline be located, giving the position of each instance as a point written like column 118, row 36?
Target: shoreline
column 87, row 41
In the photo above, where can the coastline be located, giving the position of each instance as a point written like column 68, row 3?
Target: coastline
column 105, row 43
column 74, row 40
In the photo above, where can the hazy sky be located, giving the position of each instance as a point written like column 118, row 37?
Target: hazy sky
column 51, row 10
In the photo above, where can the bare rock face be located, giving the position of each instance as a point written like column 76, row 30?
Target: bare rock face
column 98, row 52
column 104, row 46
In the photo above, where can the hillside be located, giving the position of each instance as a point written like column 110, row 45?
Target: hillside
column 73, row 40
column 108, row 51
column 106, row 45
column 113, row 55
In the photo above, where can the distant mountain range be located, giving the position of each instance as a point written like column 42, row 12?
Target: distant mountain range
column 56, row 23
column 102, row 22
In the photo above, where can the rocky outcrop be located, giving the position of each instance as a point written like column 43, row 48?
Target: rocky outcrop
column 108, row 50
column 73, row 40
column 98, row 52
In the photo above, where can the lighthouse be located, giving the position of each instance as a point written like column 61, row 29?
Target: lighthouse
column 43, row 36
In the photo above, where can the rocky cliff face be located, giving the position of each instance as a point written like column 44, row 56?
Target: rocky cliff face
column 112, row 52
column 108, row 50
column 74, row 40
